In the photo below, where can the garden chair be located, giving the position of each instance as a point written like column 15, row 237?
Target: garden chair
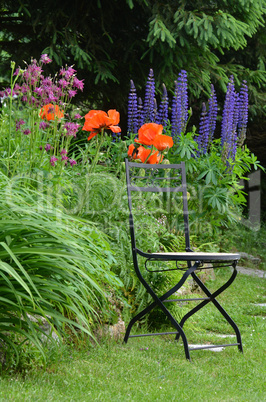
column 152, row 185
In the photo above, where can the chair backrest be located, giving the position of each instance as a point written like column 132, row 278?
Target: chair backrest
column 160, row 178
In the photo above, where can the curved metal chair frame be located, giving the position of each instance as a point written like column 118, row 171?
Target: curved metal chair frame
column 150, row 176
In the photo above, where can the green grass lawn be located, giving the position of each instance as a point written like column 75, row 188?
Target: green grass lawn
column 155, row 368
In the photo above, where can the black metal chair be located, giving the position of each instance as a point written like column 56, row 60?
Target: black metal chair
column 170, row 180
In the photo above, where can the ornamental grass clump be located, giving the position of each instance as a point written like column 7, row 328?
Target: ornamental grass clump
column 51, row 267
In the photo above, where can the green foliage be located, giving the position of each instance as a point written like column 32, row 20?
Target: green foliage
column 216, row 198
column 111, row 40
column 51, row 267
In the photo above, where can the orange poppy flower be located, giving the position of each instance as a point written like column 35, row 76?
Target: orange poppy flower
column 97, row 120
column 155, row 158
column 141, row 152
column 148, row 132
column 161, row 142
column 50, row 111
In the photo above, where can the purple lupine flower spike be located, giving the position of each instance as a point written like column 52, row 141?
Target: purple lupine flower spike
column 162, row 116
column 233, row 148
column 228, row 111
column 148, row 109
column 180, row 105
column 155, row 109
column 140, row 113
column 230, row 116
column 212, row 114
column 184, row 99
column 132, row 123
column 204, row 130
column 243, row 113
column 176, row 106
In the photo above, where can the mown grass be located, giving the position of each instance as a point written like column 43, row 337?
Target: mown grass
column 155, row 368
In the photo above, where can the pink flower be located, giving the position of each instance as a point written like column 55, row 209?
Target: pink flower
column 17, row 71
column 43, row 125
column 63, row 83
column 71, row 128
column 72, row 162
column 47, row 147
column 64, row 158
column 63, row 152
column 53, row 160
column 78, row 83
column 45, row 59
column 70, row 72
column 72, row 93
column 19, row 124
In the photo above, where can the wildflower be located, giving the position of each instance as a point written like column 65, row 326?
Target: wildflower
column 162, row 116
column 243, row 113
column 144, row 154
column 155, row 158
column 132, row 123
column 71, row 128
column 147, row 133
column 180, row 105
column 77, row 116
column 43, row 125
column 53, row 160
column 162, row 142
column 204, row 129
column 140, row 113
column 229, row 121
column 63, row 83
column 53, row 98
column 67, row 73
column 19, row 123
column 50, row 111
column 39, row 91
column 140, row 152
column 72, row 93
column 64, row 158
column 47, row 147
column 17, row 71
column 45, row 59
column 212, row 114
column 72, row 162
column 63, row 152
column 47, row 81
column 26, row 131
column 79, row 84
column 149, row 98
column 97, row 120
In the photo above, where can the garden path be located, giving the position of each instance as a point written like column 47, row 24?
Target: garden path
column 252, row 272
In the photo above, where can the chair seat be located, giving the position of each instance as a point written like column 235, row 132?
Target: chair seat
column 191, row 256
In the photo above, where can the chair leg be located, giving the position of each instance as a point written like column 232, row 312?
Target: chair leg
column 212, row 298
column 218, row 305
column 158, row 301
column 137, row 318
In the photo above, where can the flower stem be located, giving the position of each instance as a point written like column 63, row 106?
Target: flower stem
column 96, row 158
